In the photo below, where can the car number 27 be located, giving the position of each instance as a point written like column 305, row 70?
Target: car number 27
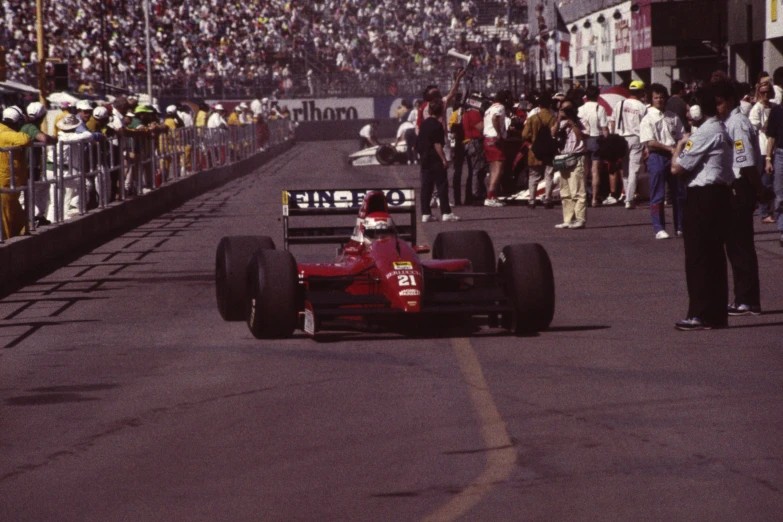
column 406, row 280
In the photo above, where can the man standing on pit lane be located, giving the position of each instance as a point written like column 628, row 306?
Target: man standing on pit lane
column 598, row 125
column 661, row 130
column 432, row 137
column 626, row 121
column 704, row 161
column 473, row 128
column 746, row 189
column 774, row 162
column 541, row 121
column 494, row 135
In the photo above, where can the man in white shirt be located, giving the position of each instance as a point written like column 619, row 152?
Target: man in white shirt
column 367, row 137
column 407, row 132
column 597, row 125
column 626, row 121
column 661, row 130
column 217, row 119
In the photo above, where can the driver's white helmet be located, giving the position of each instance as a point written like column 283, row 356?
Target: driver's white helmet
column 378, row 225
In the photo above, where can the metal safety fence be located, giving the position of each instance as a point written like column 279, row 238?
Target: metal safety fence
column 50, row 183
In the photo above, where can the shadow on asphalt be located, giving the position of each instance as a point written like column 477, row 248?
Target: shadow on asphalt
column 577, row 328
column 757, row 325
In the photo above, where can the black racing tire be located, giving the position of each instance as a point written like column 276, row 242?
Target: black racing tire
column 474, row 245
column 529, row 284
column 386, row 154
column 231, row 258
column 272, row 305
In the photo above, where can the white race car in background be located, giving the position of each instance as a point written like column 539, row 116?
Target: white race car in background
column 385, row 154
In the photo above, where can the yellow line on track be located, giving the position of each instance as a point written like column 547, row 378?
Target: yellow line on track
column 501, row 456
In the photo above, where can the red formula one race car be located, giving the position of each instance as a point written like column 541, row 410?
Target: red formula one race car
column 378, row 281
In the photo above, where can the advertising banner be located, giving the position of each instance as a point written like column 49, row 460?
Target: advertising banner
column 330, row 109
column 641, row 40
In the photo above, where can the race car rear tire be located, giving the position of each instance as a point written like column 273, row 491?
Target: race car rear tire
column 474, row 245
column 529, row 284
column 386, row 154
column 233, row 254
column 272, row 304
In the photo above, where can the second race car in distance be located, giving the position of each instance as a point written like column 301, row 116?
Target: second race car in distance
column 378, row 280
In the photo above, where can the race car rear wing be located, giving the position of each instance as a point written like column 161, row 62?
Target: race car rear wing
column 345, row 202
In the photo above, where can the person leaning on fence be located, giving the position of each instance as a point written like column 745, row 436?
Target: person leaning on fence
column 71, row 159
column 170, row 142
column 13, row 215
column 36, row 114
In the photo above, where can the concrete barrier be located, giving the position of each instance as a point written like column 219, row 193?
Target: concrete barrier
column 24, row 258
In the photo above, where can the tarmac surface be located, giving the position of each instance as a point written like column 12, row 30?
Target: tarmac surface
column 124, row 396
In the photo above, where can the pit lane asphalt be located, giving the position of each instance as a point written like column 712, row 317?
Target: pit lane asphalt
column 124, row 396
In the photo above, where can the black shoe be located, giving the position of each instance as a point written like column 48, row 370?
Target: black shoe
column 737, row 310
column 531, row 204
column 549, row 205
column 41, row 221
column 692, row 323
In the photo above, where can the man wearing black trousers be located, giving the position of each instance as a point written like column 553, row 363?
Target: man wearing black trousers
column 432, row 137
column 747, row 187
column 704, row 161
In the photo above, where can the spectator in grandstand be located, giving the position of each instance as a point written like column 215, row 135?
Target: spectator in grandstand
column 597, row 125
column 431, row 139
column 36, row 114
column 539, row 168
column 12, row 163
column 660, row 130
column 368, row 136
column 626, row 119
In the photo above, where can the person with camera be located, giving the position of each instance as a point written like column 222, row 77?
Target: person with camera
column 569, row 131
column 661, row 130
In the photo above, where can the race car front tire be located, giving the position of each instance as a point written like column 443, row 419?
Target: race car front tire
column 529, row 285
column 272, row 304
column 474, row 245
column 231, row 285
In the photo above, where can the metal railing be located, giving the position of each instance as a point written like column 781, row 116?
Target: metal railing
column 70, row 178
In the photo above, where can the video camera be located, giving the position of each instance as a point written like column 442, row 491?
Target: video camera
column 478, row 101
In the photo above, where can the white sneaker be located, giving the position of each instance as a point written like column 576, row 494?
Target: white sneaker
column 662, row 235
column 449, row 217
column 610, row 201
column 494, row 203
column 577, row 224
column 563, row 225
column 426, row 218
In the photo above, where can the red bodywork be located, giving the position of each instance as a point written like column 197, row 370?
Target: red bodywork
column 375, row 281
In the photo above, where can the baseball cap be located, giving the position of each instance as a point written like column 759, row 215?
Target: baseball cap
column 83, row 105
column 100, row 113
column 14, row 114
column 243, row 105
column 218, row 107
column 35, row 110
column 171, row 109
column 636, row 85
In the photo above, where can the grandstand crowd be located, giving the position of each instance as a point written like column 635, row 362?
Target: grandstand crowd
column 211, row 42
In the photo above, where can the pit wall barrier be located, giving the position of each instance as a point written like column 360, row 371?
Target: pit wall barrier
column 181, row 166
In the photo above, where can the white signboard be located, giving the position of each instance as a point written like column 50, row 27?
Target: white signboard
column 330, row 109
column 773, row 15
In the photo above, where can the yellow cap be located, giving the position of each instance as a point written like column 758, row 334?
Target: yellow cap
column 636, row 85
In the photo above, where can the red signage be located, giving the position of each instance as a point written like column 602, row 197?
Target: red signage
column 641, row 36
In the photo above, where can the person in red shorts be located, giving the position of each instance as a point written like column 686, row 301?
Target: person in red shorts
column 494, row 134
